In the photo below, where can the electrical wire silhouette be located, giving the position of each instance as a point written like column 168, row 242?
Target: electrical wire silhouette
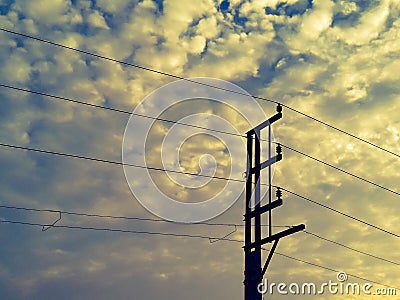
column 200, row 83
column 113, row 162
column 118, row 110
column 64, row 212
column 195, row 174
column 341, row 170
column 114, row 230
column 331, row 269
column 259, row 98
column 120, row 230
column 350, row 248
column 340, row 213
column 204, row 128
column 92, row 215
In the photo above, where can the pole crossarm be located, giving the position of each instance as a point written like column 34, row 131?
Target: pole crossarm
column 276, row 236
column 268, row 122
column 266, row 163
column 265, row 208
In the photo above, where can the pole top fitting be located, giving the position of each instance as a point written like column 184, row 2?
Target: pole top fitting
column 278, row 148
column 279, row 193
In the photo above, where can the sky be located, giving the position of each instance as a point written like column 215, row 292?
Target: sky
column 336, row 61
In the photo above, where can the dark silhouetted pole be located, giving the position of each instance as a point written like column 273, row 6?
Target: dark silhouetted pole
column 253, row 273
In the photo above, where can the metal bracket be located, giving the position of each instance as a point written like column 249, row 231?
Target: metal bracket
column 46, row 227
column 271, row 252
column 214, row 240
column 276, row 236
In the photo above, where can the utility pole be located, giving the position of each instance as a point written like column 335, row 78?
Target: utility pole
column 253, row 273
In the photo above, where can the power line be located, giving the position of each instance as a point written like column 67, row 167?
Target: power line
column 64, row 212
column 192, row 174
column 158, row 169
column 200, row 83
column 119, row 230
column 117, row 110
column 341, row 213
column 330, row 269
column 342, row 170
column 114, row 230
column 341, row 131
column 204, row 128
column 113, row 162
column 350, row 248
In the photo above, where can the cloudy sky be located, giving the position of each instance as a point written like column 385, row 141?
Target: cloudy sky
column 337, row 61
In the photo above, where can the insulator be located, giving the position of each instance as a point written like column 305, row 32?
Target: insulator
column 278, row 149
column 279, row 108
column 279, row 194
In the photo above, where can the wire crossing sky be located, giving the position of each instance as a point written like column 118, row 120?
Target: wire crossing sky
column 161, row 220
column 193, row 174
column 209, row 129
column 176, row 235
column 183, row 78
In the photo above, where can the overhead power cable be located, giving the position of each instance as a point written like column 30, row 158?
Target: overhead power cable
column 341, row 213
column 119, row 230
column 204, row 128
column 342, row 170
column 92, row 215
column 112, row 162
column 158, row 169
column 192, row 174
column 350, row 248
column 114, row 230
column 196, row 82
column 331, row 269
column 117, row 110
column 80, row 214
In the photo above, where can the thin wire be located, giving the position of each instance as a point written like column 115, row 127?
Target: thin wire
column 193, row 174
column 204, row 128
column 64, row 212
column 341, row 170
column 112, row 230
column 114, row 162
column 200, row 83
column 120, row 230
column 259, row 98
column 341, row 213
column 341, row 131
column 199, row 223
column 333, row 270
column 117, row 110
column 350, row 248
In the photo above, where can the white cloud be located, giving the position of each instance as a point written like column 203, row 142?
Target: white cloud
column 370, row 25
column 114, row 7
column 49, row 12
column 17, row 68
column 97, row 20
column 317, row 20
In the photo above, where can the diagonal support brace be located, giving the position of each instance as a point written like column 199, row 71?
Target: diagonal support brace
column 271, row 252
column 46, row 227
